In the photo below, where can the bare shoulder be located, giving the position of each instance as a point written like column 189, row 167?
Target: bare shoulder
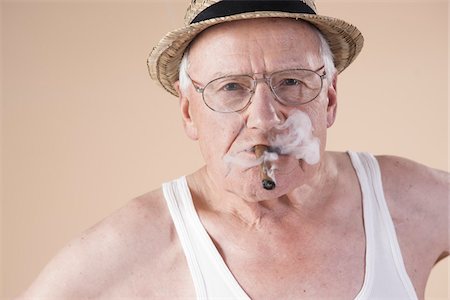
column 418, row 198
column 111, row 254
column 393, row 166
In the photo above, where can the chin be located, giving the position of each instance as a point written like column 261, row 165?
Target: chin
column 288, row 174
column 252, row 190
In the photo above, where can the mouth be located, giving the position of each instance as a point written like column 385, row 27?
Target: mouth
column 254, row 155
column 264, row 148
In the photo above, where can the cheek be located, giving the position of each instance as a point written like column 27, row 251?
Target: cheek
column 317, row 112
column 217, row 132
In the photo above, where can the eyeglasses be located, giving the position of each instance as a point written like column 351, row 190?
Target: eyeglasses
column 234, row 93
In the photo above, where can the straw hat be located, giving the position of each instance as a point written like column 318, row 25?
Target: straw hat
column 344, row 39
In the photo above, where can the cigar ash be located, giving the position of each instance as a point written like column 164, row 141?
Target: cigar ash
column 267, row 181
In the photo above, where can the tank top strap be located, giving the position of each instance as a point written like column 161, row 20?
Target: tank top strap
column 177, row 210
column 211, row 276
column 385, row 274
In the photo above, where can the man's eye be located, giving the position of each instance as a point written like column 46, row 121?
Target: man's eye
column 232, row 86
column 291, row 81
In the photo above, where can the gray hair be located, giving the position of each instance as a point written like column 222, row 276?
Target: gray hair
column 183, row 77
column 324, row 51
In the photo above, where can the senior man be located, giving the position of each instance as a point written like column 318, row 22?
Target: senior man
column 271, row 215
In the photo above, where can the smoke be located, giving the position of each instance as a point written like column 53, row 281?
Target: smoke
column 293, row 137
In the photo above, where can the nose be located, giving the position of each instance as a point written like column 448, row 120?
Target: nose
column 264, row 110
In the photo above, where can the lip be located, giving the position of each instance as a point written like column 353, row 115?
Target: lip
column 245, row 158
column 245, row 146
column 270, row 149
column 248, row 153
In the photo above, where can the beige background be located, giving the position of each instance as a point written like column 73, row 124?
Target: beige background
column 84, row 129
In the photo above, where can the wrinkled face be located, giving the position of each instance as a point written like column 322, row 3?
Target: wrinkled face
column 253, row 47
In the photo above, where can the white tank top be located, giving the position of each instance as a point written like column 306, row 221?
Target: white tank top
column 385, row 274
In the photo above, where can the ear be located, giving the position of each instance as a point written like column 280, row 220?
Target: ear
column 185, row 107
column 332, row 101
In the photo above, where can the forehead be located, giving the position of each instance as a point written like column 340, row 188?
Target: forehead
column 258, row 45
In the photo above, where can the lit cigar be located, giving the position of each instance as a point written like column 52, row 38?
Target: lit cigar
column 266, row 181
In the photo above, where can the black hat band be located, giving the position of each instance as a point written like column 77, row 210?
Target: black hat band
column 232, row 7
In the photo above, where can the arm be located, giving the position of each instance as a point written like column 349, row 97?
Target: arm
column 103, row 260
column 418, row 200
column 71, row 273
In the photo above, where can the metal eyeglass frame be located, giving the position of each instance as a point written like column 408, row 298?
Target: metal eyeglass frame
column 267, row 78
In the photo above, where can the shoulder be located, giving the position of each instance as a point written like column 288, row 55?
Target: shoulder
column 107, row 253
column 414, row 174
column 412, row 183
column 418, row 198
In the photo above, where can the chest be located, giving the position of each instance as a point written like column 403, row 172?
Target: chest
column 325, row 265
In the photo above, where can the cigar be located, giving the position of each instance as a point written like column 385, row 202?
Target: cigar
column 267, row 182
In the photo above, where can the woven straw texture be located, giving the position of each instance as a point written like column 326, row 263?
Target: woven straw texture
column 344, row 39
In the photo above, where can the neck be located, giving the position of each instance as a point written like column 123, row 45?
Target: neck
column 307, row 198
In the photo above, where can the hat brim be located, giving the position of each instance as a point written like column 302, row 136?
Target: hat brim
column 344, row 39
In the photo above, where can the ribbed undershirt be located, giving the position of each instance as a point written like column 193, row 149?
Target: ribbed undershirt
column 385, row 274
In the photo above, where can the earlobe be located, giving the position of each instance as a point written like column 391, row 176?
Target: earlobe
column 332, row 102
column 186, row 116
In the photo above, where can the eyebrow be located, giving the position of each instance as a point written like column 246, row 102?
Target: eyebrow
column 302, row 68
column 222, row 74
